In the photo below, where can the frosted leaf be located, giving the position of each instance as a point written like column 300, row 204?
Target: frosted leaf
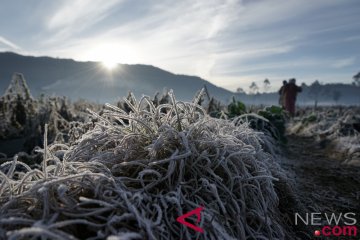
column 18, row 87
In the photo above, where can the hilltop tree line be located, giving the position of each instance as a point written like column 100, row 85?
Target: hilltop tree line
column 266, row 85
column 314, row 92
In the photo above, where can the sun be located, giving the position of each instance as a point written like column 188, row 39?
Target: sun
column 110, row 55
column 109, row 64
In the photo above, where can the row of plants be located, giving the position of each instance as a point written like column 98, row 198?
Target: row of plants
column 127, row 171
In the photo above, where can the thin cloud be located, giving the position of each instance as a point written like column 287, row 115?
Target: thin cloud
column 346, row 62
column 352, row 38
column 79, row 12
column 73, row 17
column 270, row 66
column 9, row 43
column 245, row 54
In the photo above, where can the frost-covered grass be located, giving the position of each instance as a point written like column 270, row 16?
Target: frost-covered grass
column 134, row 173
column 336, row 128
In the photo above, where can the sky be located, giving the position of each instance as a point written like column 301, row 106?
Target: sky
column 230, row 43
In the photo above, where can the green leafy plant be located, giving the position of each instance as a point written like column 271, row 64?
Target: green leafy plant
column 236, row 108
column 276, row 126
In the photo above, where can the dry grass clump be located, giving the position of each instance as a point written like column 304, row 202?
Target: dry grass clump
column 132, row 179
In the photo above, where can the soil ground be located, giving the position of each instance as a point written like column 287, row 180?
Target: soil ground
column 323, row 184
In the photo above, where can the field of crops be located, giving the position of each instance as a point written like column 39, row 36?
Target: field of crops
column 129, row 170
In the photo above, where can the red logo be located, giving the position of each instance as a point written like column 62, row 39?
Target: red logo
column 196, row 211
column 336, row 231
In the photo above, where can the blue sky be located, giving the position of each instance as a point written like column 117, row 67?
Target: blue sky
column 229, row 43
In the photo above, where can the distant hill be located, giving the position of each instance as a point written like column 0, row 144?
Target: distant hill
column 89, row 80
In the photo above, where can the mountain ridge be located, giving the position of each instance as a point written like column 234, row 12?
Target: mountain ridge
column 89, row 80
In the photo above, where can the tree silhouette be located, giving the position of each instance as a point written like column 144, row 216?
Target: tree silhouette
column 356, row 78
column 240, row 90
column 314, row 92
column 253, row 88
column 336, row 96
column 266, row 85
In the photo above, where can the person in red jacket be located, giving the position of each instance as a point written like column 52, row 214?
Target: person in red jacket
column 290, row 92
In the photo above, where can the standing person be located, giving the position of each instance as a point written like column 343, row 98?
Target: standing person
column 282, row 95
column 290, row 91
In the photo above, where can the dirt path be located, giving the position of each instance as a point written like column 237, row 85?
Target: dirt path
column 322, row 184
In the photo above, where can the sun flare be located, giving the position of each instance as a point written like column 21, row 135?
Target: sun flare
column 111, row 56
column 109, row 64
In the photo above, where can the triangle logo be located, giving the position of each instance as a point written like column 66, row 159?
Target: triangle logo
column 197, row 212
